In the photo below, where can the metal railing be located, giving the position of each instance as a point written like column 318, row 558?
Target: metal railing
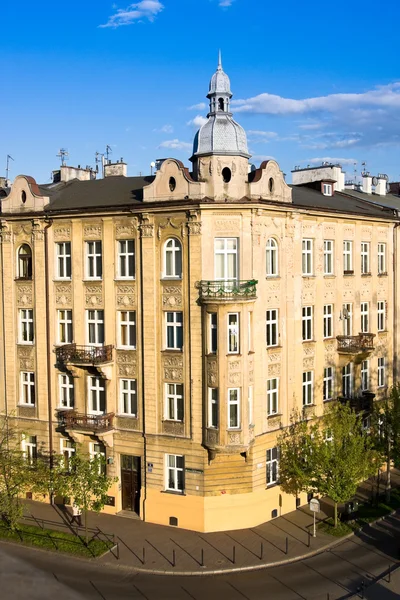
column 352, row 344
column 93, row 355
column 74, row 420
column 359, row 403
column 228, row 290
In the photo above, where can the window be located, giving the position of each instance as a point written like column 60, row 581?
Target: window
column 128, row 397
column 174, row 335
column 307, row 323
column 66, row 391
column 327, row 189
column 225, row 259
column 26, row 332
column 365, row 258
column 328, row 435
column 308, row 390
column 172, row 258
column 272, row 396
column 233, row 333
column 226, row 174
column 213, row 324
column 94, row 264
column 63, row 256
column 347, row 257
column 328, row 320
column 381, row 372
column 347, row 317
column 174, row 401
column 213, row 407
column 126, row 259
column 347, row 380
column 272, row 258
column 127, row 331
column 98, row 450
column 381, row 258
column 174, row 472
column 250, row 404
column 65, row 335
column 364, row 317
column 95, row 321
column 328, row 257
column 29, row 448
column 381, row 315
column 24, row 267
column 97, row 396
column 272, row 462
column 328, row 383
column 307, row 257
column 234, row 408
column 27, row 388
column 272, row 327
column 67, row 450
column 364, row 375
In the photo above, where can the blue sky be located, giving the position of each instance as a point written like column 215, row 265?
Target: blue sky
column 312, row 80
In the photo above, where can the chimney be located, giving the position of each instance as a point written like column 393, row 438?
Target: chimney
column 66, row 173
column 380, row 187
column 118, row 169
column 367, row 183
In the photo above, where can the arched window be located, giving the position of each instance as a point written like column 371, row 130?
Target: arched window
column 272, row 258
column 24, row 262
column 172, row 258
column 221, row 104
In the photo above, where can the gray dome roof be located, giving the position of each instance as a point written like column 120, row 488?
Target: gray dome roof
column 220, row 82
column 220, row 135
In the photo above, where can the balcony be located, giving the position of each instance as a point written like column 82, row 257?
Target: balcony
column 84, row 355
column 361, row 403
column 227, row 291
column 355, row 344
column 92, row 423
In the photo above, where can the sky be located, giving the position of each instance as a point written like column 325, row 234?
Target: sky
column 312, row 81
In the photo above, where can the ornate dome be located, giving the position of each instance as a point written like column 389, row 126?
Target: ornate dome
column 220, row 82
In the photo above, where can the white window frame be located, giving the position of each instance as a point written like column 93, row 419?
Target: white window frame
column 328, row 257
column 94, row 395
column 307, row 323
column 126, row 259
column 231, row 404
column 364, row 313
column 272, row 256
column 172, row 469
column 347, row 316
column 97, row 320
column 381, row 258
column 27, row 388
column 381, row 314
column 308, row 388
column 347, row 380
column 63, row 260
column 128, row 397
column 127, row 329
column 98, row 449
column 364, row 375
column 26, row 326
column 272, row 466
column 213, row 332
column 173, row 248
column 67, row 450
column 29, row 448
column 174, row 406
column 66, row 391
column 381, row 372
column 307, row 256
column 65, row 332
column 213, row 407
column 176, row 325
column 94, row 266
column 328, row 385
column 348, row 256
column 233, row 333
column 327, row 189
column 273, row 396
column 272, row 327
column 328, row 321
column 365, row 262
column 226, row 252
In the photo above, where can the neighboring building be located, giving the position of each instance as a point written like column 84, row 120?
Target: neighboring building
column 174, row 322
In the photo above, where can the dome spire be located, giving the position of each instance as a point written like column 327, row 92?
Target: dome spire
column 219, row 60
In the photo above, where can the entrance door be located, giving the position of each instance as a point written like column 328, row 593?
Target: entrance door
column 130, row 478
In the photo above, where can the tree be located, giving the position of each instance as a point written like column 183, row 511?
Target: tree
column 343, row 455
column 296, row 456
column 49, row 475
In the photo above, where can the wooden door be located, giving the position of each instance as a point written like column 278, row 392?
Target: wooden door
column 130, row 479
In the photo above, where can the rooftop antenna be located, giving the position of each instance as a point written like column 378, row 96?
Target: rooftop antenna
column 108, row 151
column 8, row 165
column 364, row 165
column 100, row 159
column 355, row 173
column 63, row 154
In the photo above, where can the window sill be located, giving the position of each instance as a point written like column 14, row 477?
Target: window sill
column 329, row 276
column 174, row 350
column 125, row 279
column 325, row 401
column 170, row 278
column 274, row 277
column 25, row 343
column 174, row 492
column 313, row 341
column 382, row 331
column 329, row 338
column 91, row 279
column 127, row 416
column 274, row 415
column 272, row 485
column 126, row 348
column 64, row 408
column 385, row 274
column 210, row 354
column 309, row 405
column 348, row 273
column 277, row 347
column 172, row 421
column 23, row 279
column 365, row 274
column 234, row 429
column 308, row 276
column 237, row 354
column 24, row 405
column 58, row 279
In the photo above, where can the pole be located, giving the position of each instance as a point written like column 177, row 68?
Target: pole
column 314, row 533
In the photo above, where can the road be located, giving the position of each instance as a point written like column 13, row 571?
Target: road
column 26, row 572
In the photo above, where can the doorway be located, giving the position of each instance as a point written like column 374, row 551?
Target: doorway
column 130, row 481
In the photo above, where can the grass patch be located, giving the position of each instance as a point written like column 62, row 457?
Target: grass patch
column 58, row 541
column 341, row 530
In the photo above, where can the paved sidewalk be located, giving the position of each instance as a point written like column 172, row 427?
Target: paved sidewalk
column 160, row 549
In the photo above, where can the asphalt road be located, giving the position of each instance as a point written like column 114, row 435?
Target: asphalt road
column 25, row 572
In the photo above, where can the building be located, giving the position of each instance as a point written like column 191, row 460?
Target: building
column 175, row 322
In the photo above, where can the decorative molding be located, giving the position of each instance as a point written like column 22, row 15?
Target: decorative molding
column 366, row 232
column 308, row 363
column 172, row 296
column 62, row 233
column 348, row 233
column 27, row 364
column 5, row 233
column 126, row 357
column 274, row 356
column 234, row 378
column 274, row 370
column 234, row 365
column 173, row 361
column 274, row 422
column 233, row 438
column 126, row 295
column 173, row 374
column 173, row 428
column 193, row 223
column 212, row 437
column 146, row 226
column 92, row 232
column 251, row 376
column 126, row 230
column 180, row 225
column 24, row 295
column 94, row 295
column 127, row 370
column 309, row 349
column 128, row 423
column 22, row 230
column 63, row 293
column 37, row 231
column 227, row 225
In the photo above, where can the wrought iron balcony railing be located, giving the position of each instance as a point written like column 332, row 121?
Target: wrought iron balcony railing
column 359, row 403
column 228, row 290
column 84, row 355
column 96, row 423
column 354, row 344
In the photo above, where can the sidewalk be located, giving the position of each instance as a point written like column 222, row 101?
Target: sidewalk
column 160, row 549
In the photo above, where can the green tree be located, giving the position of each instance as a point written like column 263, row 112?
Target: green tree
column 296, row 456
column 49, row 475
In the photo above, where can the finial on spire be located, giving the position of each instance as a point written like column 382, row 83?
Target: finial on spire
column 219, row 61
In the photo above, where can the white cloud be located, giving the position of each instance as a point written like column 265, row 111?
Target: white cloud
column 175, row 144
column 199, row 106
column 330, row 159
column 144, row 10
column 260, row 157
column 165, row 129
column 197, row 121
column 262, row 134
column 311, row 126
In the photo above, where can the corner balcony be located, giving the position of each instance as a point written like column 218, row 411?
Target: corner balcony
column 355, row 344
column 359, row 403
column 84, row 355
column 88, row 423
column 227, row 291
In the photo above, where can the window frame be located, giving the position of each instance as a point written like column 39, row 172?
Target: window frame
column 64, row 383
column 272, row 396
column 272, row 327
column 233, row 334
column 365, row 375
column 381, row 315
column 127, row 258
column 178, row 487
column 347, row 380
column 177, row 330
column 272, row 466
column 382, row 269
column 328, row 321
column 130, row 327
column 327, row 189
column 348, row 257
column 94, row 260
column 308, row 388
column 232, row 403
column 329, row 257
column 98, row 326
column 174, row 411
column 365, row 258
column 29, row 448
column 63, row 261
column 307, row 257
column 381, row 382
column 328, row 384
column 99, row 397
column 65, row 326
column 27, row 260
column 272, row 258
column 26, row 326
column 347, row 321
column 212, row 333
column 307, row 322
column 175, row 250
column 27, row 388
column 213, row 408
column 364, row 315
column 128, row 397
column 226, row 252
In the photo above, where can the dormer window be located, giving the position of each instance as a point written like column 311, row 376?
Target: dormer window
column 221, row 105
column 327, row 189
column 24, row 262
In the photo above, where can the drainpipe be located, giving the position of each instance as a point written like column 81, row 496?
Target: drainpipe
column 4, row 337
column 143, row 382
column 49, row 223
column 395, row 296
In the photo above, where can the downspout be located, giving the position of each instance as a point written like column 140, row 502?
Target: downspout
column 4, row 336
column 48, row 338
column 190, row 345
column 395, row 295
column 143, row 382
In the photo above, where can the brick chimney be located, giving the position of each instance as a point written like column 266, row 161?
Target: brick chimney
column 118, row 169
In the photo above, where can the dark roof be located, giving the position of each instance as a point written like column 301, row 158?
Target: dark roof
column 98, row 193
column 305, row 197
column 389, row 200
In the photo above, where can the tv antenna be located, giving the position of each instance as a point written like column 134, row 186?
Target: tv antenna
column 100, row 160
column 108, row 151
column 8, row 164
column 63, row 154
